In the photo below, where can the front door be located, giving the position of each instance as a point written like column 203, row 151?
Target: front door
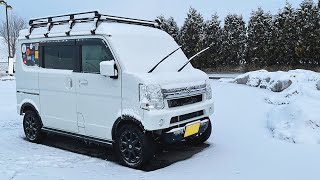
column 98, row 97
column 57, row 85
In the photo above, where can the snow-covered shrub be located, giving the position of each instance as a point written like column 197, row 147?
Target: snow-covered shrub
column 318, row 85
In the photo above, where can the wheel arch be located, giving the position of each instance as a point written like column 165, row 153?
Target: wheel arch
column 125, row 119
column 28, row 106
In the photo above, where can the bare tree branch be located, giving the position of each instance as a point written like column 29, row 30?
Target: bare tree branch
column 16, row 23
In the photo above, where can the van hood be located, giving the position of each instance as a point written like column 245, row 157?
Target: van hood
column 168, row 80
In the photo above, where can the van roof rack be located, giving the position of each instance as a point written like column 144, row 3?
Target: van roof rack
column 92, row 16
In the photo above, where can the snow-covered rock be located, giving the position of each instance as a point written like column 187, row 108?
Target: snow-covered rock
column 280, row 86
column 242, row 80
column 318, row 85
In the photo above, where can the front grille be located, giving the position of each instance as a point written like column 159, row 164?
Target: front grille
column 186, row 116
column 184, row 101
column 184, row 91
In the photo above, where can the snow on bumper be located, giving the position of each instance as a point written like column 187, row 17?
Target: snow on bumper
column 162, row 119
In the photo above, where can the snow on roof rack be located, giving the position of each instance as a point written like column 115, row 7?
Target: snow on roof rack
column 92, row 16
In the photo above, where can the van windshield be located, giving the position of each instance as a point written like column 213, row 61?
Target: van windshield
column 141, row 52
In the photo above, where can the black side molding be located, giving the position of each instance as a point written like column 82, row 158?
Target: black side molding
column 78, row 136
column 30, row 93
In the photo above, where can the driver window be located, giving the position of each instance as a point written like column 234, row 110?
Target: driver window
column 92, row 55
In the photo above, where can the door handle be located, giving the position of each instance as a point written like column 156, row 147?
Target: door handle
column 83, row 82
column 69, row 83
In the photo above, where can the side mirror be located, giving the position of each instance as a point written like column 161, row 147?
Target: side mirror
column 107, row 68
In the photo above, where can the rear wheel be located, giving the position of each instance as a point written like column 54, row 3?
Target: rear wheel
column 134, row 148
column 200, row 139
column 32, row 127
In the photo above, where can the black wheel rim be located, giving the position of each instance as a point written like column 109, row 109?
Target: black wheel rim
column 130, row 147
column 30, row 127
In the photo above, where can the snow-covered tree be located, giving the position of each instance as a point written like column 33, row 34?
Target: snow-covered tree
column 212, row 37
column 233, row 41
column 307, row 25
column 170, row 26
column 191, row 35
column 284, row 37
column 259, row 38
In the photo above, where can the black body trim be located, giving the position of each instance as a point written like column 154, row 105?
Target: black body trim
column 186, row 116
column 78, row 136
column 24, row 92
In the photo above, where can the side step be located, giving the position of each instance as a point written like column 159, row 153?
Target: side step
column 77, row 136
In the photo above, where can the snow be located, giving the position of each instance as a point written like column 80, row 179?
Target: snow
column 147, row 46
column 241, row 146
column 294, row 116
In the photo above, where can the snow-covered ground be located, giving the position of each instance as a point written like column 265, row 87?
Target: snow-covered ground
column 241, row 147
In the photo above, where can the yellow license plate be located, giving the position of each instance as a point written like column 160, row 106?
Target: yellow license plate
column 192, row 129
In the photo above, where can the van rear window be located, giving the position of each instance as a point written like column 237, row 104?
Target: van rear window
column 58, row 57
column 30, row 54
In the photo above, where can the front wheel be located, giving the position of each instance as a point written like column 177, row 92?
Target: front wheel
column 32, row 127
column 134, row 148
column 200, row 139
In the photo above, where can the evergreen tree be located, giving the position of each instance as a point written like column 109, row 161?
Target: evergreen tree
column 259, row 38
column 191, row 35
column 212, row 37
column 233, row 41
column 308, row 45
column 170, row 26
column 284, row 37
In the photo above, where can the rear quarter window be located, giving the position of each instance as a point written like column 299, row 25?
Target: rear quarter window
column 30, row 54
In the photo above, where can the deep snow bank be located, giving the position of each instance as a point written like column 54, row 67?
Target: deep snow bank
column 295, row 116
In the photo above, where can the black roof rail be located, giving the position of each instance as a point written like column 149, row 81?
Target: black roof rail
column 92, row 16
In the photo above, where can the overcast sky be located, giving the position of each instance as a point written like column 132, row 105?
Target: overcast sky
column 145, row 9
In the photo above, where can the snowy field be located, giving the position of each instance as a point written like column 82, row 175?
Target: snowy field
column 241, row 147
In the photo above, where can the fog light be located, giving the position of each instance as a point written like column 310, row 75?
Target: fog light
column 161, row 122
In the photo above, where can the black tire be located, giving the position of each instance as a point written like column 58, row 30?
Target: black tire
column 200, row 139
column 32, row 127
column 133, row 147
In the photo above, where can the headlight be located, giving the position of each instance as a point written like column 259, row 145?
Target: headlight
column 151, row 97
column 208, row 90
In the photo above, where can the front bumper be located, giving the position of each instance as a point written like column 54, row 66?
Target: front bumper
column 177, row 134
column 151, row 118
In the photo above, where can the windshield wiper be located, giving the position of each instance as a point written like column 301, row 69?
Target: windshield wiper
column 196, row 55
column 164, row 59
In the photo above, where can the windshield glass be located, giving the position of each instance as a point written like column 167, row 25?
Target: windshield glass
column 140, row 52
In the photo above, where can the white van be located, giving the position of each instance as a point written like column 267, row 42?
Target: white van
column 110, row 80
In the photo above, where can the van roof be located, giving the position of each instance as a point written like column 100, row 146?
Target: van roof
column 83, row 24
